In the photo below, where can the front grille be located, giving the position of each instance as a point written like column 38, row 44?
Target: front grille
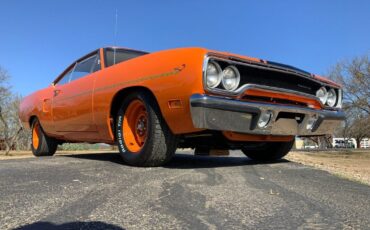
column 261, row 75
column 273, row 100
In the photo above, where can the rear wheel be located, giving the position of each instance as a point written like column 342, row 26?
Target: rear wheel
column 42, row 145
column 269, row 151
column 143, row 137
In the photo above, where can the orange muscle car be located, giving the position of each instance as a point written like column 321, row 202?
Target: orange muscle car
column 149, row 104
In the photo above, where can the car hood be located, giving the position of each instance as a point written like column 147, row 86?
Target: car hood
column 272, row 64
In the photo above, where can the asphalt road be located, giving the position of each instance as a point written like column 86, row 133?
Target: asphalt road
column 96, row 191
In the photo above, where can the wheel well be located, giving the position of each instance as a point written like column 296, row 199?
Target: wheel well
column 32, row 118
column 118, row 98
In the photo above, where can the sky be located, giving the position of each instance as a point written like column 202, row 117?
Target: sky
column 40, row 38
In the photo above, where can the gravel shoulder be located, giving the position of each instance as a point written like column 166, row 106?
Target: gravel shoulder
column 353, row 165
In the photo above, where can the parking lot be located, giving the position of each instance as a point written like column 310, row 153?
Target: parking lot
column 97, row 191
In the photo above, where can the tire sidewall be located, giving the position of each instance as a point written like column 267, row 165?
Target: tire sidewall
column 140, row 156
column 270, row 152
column 47, row 146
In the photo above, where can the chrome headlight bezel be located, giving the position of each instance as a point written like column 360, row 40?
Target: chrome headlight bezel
column 322, row 94
column 332, row 98
column 339, row 98
column 237, row 77
column 219, row 75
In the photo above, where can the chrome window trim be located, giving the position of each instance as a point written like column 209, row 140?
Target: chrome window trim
column 94, row 56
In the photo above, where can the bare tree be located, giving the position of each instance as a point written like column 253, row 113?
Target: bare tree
column 4, row 87
column 354, row 76
column 357, row 125
column 322, row 142
column 10, row 126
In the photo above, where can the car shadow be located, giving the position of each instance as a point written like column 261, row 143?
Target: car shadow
column 186, row 161
column 182, row 161
column 101, row 156
column 71, row 225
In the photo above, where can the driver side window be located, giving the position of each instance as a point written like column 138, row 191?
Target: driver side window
column 81, row 68
column 65, row 79
column 84, row 67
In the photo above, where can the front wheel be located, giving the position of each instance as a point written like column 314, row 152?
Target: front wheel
column 269, row 151
column 42, row 145
column 143, row 137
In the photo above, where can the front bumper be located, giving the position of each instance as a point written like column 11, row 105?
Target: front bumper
column 219, row 113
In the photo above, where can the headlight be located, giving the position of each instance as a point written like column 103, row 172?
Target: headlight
column 230, row 78
column 332, row 98
column 213, row 74
column 322, row 94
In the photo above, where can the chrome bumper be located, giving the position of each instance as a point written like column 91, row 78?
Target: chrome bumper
column 218, row 113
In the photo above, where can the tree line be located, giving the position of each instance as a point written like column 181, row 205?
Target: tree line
column 12, row 135
column 354, row 76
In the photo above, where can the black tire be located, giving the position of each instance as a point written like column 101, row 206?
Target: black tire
column 160, row 144
column 46, row 146
column 269, row 151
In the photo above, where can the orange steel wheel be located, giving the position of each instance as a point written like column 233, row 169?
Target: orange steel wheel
column 42, row 145
column 135, row 126
column 36, row 135
column 143, row 137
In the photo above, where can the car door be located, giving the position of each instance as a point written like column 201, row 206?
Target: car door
column 72, row 103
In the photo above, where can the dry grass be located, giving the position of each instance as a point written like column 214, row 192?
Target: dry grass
column 15, row 155
column 354, row 165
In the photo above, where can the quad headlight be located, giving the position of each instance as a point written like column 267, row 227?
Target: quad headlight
column 329, row 97
column 230, row 78
column 332, row 98
column 213, row 75
column 322, row 94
